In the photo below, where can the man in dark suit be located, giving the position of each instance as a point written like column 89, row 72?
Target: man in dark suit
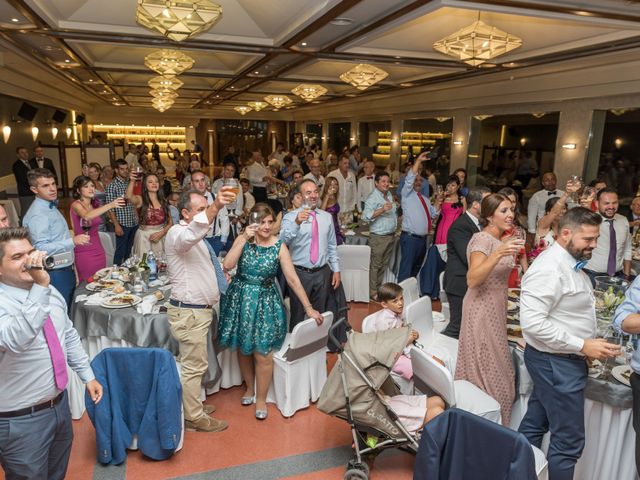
column 455, row 273
column 634, row 215
column 20, row 169
column 40, row 161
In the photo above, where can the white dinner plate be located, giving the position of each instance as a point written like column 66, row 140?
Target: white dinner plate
column 103, row 285
column 622, row 374
column 596, row 369
column 104, row 272
column 117, row 301
column 365, row 233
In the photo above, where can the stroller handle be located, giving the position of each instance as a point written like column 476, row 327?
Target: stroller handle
column 334, row 328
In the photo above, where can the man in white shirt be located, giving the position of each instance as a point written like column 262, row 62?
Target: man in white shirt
column 132, row 156
column 258, row 175
column 348, row 190
column 278, row 155
column 366, row 184
column 315, row 174
column 195, row 289
column 557, row 314
column 539, row 199
column 612, row 256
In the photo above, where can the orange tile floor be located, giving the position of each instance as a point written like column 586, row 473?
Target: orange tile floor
column 310, row 445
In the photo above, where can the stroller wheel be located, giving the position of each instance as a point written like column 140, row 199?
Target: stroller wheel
column 355, row 474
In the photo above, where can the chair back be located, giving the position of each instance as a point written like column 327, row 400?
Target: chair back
column 410, row 290
column 354, row 257
column 443, row 294
column 354, row 269
column 109, row 244
column 420, row 316
column 308, row 337
column 366, row 324
column 430, row 376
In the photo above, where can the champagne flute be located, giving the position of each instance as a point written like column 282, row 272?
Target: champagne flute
column 439, row 190
column 254, row 221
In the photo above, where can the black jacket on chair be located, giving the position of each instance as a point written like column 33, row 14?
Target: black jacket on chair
column 458, row 237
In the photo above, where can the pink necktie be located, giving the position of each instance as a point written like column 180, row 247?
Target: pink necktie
column 57, row 355
column 315, row 240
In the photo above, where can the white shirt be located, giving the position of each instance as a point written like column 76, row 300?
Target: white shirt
column 535, row 211
column 255, row 173
column 249, row 201
column 191, row 273
column 557, row 306
column 348, row 190
column 600, row 256
column 475, row 220
column 366, row 184
column 319, row 181
column 131, row 159
column 279, row 157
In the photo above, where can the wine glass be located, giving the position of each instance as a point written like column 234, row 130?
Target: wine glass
column 307, row 205
column 86, row 226
column 576, row 182
column 254, row 221
column 439, row 190
column 234, row 187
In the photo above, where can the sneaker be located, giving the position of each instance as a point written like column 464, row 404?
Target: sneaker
column 208, row 408
column 206, row 424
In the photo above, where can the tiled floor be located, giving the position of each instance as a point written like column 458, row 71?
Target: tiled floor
column 309, row 446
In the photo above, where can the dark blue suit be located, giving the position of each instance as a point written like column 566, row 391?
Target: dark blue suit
column 142, row 396
column 462, row 446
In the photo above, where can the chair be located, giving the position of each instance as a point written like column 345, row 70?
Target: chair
column 300, row 366
column 230, row 374
column 109, row 244
column 429, row 376
column 405, row 386
column 420, row 315
column 354, row 271
column 410, row 290
column 444, row 302
column 142, row 401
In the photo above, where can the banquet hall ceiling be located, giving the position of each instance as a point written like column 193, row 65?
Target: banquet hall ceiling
column 260, row 48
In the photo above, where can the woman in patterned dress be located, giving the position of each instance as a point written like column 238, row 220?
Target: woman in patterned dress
column 483, row 353
column 252, row 316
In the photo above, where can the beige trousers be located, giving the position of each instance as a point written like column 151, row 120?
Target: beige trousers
column 189, row 327
column 381, row 249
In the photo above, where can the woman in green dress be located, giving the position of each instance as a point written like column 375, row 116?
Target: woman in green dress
column 252, row 316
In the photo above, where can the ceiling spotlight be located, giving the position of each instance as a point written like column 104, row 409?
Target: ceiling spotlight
column 15, row 20
column 309, row 92
column 67, row 61
column 278, row 101
column 168, row 62
column 242, row 110
column 178, row 19
column 256, row 73
column 68, row 131
column 363, row 76
column 304, row 44
column 257, row 106
column 166, row 82
column 569, row 146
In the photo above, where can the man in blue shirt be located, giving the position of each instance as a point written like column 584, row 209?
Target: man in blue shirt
column 627, row 320
column 37, row 343
column 50, row 232
column 380, row 213
column 315, row 259
column 417, row 217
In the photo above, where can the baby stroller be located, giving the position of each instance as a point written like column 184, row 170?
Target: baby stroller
column 352, row 393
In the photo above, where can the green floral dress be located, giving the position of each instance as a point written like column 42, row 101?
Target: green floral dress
column 252, row 317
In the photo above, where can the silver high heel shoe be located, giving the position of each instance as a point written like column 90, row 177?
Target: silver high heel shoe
column 246, row 401
column 261, row 414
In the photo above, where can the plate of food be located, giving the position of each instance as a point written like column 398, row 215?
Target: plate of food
column 105, row 272
column 122, row 300
column 622, row 373
column 104, row 284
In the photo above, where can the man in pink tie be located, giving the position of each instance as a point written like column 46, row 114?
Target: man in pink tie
column 37, row 342
column 311, row 238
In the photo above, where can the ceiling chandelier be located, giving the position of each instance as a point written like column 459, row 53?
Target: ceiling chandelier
column 309, row 92
column 168, row 62
column 178, row 19
column 161, row 104
column 164, row 93
column 278, row 101
column 539, row 114
column 257, row 106
column 363, row 76
column 242, row 110
column 169, row 81
column 482, row 117
column 442, row 119
column 477, row 43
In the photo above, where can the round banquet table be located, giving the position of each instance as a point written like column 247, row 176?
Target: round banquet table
column 100, row 327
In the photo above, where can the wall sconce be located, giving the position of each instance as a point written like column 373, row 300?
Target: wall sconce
column 618, row 142
column 394, row 140
column 458, row 142
column 569, row 146
column 324, row 138
column 54, row 132
column 523, row 141
column 34, row 132
column 6, row 133
column 69, row 132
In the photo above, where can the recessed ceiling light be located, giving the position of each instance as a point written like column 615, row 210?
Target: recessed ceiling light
column 15, row 20
column 341, row 21
column 232, row 86
column 67, row 61
column 91, row 79
column 257, row 73
column 304, row 44
column 397, row 56
column 406, row 84
column 510, row 64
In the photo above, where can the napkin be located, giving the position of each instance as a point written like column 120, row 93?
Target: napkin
column 349, row 233
column 94, row 299
column 147, row 305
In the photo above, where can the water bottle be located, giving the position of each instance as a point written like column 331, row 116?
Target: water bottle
column 153, row 266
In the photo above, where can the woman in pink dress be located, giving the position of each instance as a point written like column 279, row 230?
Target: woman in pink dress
column 483, row 353
column 90, row 257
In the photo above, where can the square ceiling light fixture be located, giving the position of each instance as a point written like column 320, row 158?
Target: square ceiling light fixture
column 278, row 101
column 178, row 19
column 165, row 82
column 477, row 43
column 168, row 62
column 363, row 76
column 257, row 106
column 309, row 92
column 242, row 110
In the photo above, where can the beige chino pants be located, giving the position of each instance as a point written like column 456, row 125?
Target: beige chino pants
column 381, row 249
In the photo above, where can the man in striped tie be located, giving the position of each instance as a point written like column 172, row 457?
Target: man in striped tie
column 37, row 341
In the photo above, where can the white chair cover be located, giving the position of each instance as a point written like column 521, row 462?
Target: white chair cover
column 444, row 302
column 300, row 367
column 410, row 292
column 459, row 393
column 108, row 242
column 231, row 375
column 354, row 271
column 421, row 317
column 542, row 466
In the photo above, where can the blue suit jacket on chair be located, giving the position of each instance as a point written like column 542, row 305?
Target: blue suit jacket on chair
column 142, row 396
column 462, row 446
